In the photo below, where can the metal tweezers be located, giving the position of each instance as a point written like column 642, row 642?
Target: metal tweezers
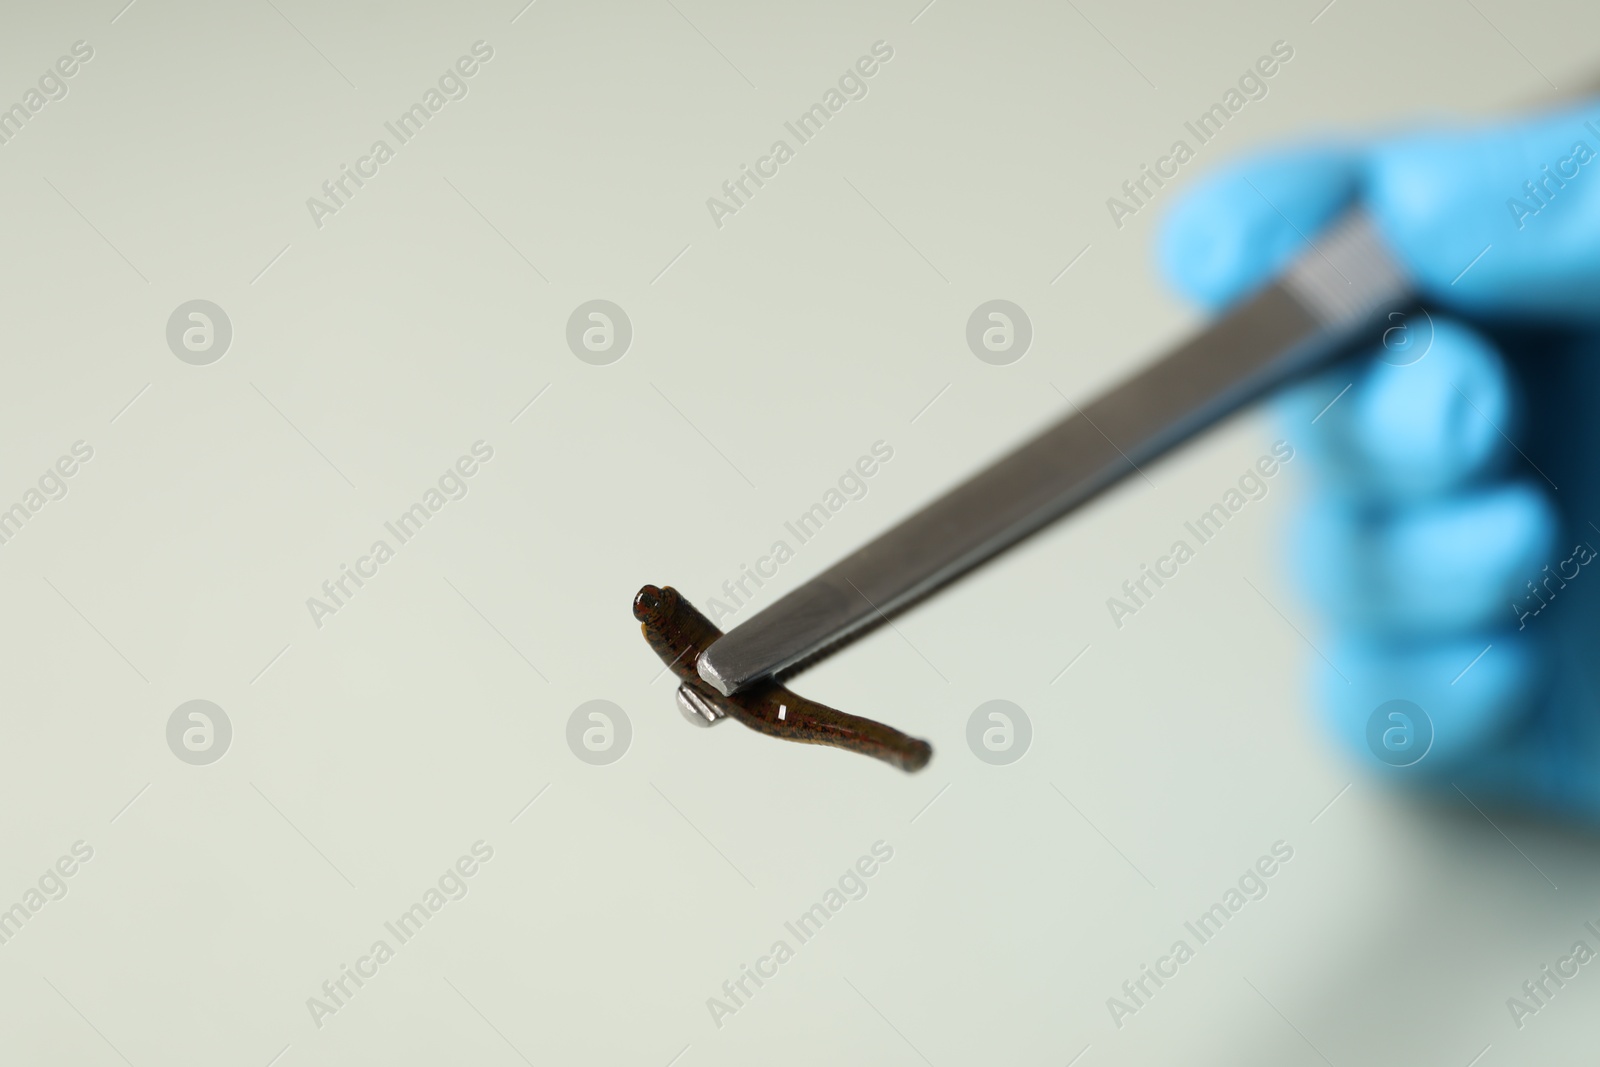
column 1342, row 292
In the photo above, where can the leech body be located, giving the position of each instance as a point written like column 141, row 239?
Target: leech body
column 679, row 634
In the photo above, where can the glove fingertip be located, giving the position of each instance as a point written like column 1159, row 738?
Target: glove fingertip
column 1239, row 225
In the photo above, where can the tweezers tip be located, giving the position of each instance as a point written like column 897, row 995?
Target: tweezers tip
column 711, row 676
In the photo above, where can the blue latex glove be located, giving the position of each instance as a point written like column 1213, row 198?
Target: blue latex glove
column 1455, row 501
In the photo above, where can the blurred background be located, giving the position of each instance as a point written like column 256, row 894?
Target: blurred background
column 267, row 375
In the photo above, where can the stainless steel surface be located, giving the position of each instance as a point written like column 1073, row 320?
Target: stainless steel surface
column 1333, row 291
column 696, row 709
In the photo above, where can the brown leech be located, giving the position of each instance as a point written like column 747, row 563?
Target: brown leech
column 679, row 634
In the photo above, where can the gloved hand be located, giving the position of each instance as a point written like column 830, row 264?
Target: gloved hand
column 1453, row 499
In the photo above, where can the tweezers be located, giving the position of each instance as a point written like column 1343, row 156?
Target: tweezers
column 1342, row 292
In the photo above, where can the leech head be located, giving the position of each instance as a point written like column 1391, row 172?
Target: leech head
column 674, row 627
column 652, row 605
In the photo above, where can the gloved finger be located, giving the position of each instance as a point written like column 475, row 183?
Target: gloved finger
column 1237, row 227
column 1438, row 568
column 1464, row 701
column 1495, row 220
column 1379, row 431
column 1503, row 220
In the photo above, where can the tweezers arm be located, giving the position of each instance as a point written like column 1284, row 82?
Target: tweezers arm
column 1315, row 309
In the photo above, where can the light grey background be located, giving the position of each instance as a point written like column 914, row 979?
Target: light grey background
column 768, row 355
